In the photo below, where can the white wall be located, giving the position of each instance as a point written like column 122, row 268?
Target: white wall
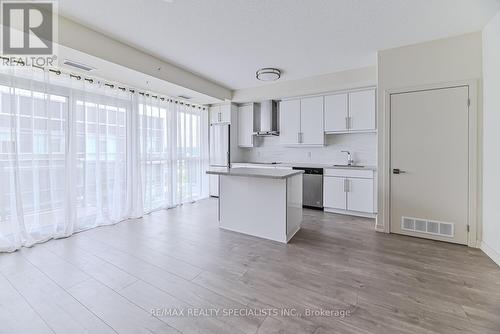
column 360, row 77
column 491, row 138
column 363, row 146
column 441, row 61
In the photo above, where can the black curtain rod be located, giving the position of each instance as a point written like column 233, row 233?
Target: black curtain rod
column 91, row 80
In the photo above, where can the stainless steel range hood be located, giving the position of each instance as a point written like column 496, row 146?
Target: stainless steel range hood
column 267, row 119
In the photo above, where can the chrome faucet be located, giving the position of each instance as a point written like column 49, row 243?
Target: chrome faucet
column 350, row 161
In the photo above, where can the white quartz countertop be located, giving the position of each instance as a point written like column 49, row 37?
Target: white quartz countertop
column 255, row 172
column 307, row 165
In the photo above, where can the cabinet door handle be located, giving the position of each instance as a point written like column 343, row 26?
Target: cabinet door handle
column 345, row 185
column 347, row 122
column 348, row 186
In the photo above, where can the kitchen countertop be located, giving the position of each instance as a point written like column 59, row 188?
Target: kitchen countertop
column 254, row 172
column 309, row 164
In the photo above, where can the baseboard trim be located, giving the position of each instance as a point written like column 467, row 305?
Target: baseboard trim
column 351, row 213
column 380, row 228
column 490, row 252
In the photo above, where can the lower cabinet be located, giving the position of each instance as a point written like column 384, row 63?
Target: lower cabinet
column 334, row 195
column 349, row 191
column 360, row 195
column 213, row 185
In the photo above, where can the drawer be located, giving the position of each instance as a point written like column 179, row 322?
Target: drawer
column 342, row 172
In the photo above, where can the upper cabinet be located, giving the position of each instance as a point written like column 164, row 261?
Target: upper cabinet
column 220, row 113
column 336, row 113
column 290, row 122
column 214, row 113
column 246, row 125
column 311, row 121
column 350, row 112
column 301, row 122
column 362, row 110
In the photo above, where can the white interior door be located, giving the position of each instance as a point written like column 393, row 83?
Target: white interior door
column 429, row 163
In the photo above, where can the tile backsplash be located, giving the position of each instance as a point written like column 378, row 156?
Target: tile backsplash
column 363, row 147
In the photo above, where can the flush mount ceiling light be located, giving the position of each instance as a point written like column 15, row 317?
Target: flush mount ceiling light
column 268, row 74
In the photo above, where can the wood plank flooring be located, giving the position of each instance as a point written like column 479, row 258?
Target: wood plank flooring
column 125, row 278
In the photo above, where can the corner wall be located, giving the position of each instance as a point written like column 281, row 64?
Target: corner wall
column 443, row 61
column 491, row 138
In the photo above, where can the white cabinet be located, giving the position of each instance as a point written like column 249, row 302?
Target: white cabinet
column 359, row 195
column 214, row 113
column 362, row 110
column 257, row 165
column 334, row 193
column 246, row 125
column 220, row 113
column 336, row 113
column 311, row 121
column 349, row 191
column 213, row 185
column 290, row 122
column 301, row 122
column 350, row 112
column 225, row 113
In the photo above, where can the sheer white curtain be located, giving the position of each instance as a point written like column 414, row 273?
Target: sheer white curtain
column 33, row 162
column 99, row 185
column 173, row 152
column 75, row 155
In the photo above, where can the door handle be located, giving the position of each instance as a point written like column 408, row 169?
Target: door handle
column 398, row 171
column 347, row 123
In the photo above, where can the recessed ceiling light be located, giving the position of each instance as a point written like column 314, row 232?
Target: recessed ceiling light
column 268, row 74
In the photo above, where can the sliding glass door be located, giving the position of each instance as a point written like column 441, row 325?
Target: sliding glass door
column 75, row 155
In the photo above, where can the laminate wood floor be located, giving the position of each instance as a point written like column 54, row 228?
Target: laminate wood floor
column 140, row 275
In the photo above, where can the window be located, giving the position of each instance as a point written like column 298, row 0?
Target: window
column 76, row 155
column 33, row 129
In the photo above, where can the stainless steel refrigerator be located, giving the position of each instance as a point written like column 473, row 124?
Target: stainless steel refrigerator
column 219, row 152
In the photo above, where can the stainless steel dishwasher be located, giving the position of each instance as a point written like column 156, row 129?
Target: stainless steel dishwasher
column 312, row 187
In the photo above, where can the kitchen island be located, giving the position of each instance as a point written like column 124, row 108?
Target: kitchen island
column 265, row 203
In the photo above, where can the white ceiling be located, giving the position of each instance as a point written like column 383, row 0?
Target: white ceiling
column 228, row 40
column 118, row 74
